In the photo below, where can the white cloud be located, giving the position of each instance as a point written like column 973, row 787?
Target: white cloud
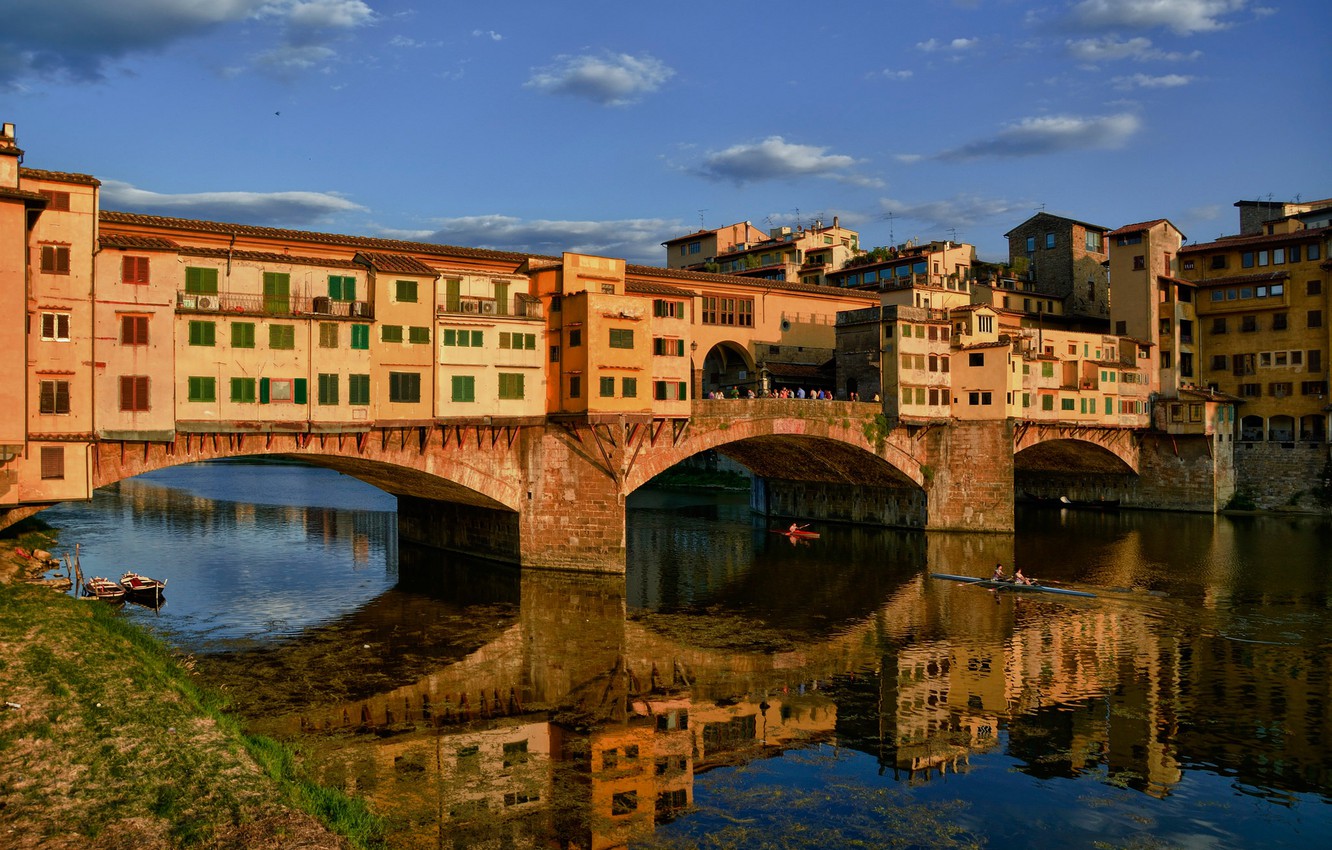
column 960, row 211
column 611, row 80
column 321, row 14
column 890, row 74
column 80, row 40
column 1182, row 16
column 636, row 240
column 771, row 159
column 955, row 45
column 1144, row 81
column 1050, row 134
column 1110, row 49
column 490, row 34
column 289, row 60
column 271, row 209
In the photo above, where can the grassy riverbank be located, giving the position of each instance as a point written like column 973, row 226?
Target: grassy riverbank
column 107, row 741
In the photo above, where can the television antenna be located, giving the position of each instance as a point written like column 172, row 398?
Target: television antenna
column 889, row 216
column 700, row 218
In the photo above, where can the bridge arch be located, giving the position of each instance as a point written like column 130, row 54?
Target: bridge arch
column 782, row 438
column 438, row 464
column 725, row 365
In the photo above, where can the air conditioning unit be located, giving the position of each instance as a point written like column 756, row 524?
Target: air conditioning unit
column 322, row 304
column 469, row 307
column 359, row 309
column 488, row 307
column 186, row 301
column 207, row 302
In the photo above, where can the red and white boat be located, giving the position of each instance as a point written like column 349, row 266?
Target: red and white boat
column 104, row 588
column 141, row 586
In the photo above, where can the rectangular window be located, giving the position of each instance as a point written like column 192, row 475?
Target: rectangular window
column 277, row 292
column 1049, row 240
column 404, row 291
column 202, row 333
column 1219, row 325
column 328, row 334
column 1312, row 251
column 133, row 330
column 200, row 281
column 1066, row 403
column 664, row 309
column 1248, row 324
column 328, row 388
column 607, row 387
column 464, row 388
column 282, row 337
column 54, row 397
column 1139, row 263
column 53, row 462
column 629, row 387
column 418, row 335
column 621, row 337
column 358, row 389
column 404, row 387
column 360, row 337
column 1278, row 321
column 554, row 354
column 575, row 338
column 575, row 386
column 242, row 390
column 1031, row 244
column 134, row 270
column 242, row 335
column 390, row 333
column 976, row 358
column 1219, row 261
column 55, row 201
column 55, row 327
column 55, row 259
column 1246, row 260
column 134, row 393
column 202, row 389
column 1315, row 318
column 738, row 312
column 341, row 287
column 510, row 385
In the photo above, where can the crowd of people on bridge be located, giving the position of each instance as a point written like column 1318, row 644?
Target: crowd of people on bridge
column 782, row 392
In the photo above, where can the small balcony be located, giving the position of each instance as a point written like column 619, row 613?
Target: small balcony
column 248, row 304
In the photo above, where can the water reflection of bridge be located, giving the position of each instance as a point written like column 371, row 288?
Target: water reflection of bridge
column 617, row 715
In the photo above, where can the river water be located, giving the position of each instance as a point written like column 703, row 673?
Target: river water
column 737, row 690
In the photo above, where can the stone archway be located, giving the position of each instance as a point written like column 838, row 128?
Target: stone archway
column 727, row 366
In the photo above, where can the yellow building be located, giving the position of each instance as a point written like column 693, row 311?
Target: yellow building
column 1263, row 306
column 1143, row 277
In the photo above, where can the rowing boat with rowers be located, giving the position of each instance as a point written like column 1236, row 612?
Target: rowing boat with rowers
column 1008, row 584
column 799, row 534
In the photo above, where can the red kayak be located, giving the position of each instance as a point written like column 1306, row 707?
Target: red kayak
column 801, row 533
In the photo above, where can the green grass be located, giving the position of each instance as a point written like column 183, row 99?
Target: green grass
column 112, row 729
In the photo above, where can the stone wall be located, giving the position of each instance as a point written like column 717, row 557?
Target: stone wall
column 812, row 500
column 456, row 527
column 970, row 486
column 1182, row 473
column 1275, row 476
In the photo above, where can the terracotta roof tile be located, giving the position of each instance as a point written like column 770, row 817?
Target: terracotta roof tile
column 1226, row 242
column 23, row 195
column 370, row 242
column 141, row 243
column 1135, row 228
column 646, row 288
column 395, row 263
column 265, row 257
column 59, row 176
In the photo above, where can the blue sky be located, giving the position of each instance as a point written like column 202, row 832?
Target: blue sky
column 609, row 127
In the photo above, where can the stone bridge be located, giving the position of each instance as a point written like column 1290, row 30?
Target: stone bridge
column 551, row 492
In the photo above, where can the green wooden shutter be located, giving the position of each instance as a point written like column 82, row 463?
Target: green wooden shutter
column 263, row 391
column 301, row 390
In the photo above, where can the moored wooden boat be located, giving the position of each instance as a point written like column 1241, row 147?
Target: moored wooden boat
column 104, row 588
column 141, row 585
column 1000, row 584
